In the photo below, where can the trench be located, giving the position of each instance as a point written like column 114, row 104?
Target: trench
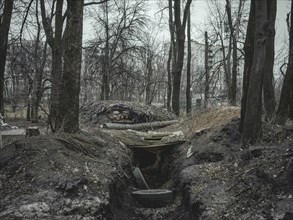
column 161, row 176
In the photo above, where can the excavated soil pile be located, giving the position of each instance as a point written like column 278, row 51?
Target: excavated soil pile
column 63, row 177
column 219, row 180
column 89, row 175
column 123, row 112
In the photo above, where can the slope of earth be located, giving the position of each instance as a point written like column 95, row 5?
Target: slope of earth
column 63, row 176
column 220, row 180
column 89, row 175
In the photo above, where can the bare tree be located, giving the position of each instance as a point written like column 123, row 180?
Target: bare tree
column 39, row 65
column 54, row 38
column 188, row 71
column 180, row 25
column 171, row 56
column 69, row 97
column 5, row 19
column 285, row 108
column 234, row 32
column 119, row 27
column 226, row 29
column 268, row 80
column 252, row 121
column 248, row 60
column 207, row 72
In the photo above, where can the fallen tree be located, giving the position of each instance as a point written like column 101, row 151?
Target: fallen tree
column 140, row 126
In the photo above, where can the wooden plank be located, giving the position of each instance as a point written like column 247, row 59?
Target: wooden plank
column 157, row 147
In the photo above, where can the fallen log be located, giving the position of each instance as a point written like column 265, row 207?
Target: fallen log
column 141, row 126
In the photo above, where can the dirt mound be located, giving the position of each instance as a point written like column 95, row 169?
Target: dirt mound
column 62, row 176
column 220, row 180
column 89, row 175
column 207, row 119
column 118, row 111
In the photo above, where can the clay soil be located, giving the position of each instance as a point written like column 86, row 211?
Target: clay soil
column 89, row 175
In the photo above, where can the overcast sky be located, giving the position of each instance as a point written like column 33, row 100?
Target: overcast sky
column 200, row 13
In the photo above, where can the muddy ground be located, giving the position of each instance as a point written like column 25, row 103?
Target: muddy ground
column 89, row 175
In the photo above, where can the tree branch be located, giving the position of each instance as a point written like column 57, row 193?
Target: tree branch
column 25, row 17
column 95, row 3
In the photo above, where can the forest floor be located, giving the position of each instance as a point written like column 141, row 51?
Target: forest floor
column 89, row 175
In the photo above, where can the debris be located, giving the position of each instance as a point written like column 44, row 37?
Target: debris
column 189, row 152
column 140, row 179
column 122, row 112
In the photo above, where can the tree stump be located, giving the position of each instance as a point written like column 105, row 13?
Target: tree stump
column 32, row 131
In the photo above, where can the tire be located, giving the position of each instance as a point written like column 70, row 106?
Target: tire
column 153, row 198
column 141, row 183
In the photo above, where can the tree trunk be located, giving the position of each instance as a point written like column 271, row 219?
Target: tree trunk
column 226, row 66
column 140, row 126
column 253, row 113
column 56, row 44
column 268, row 81
column 4, row 30
column 37, row 87
column 234, row 71
column 207, row 74
column 169, row 79
column 69, row 97
column 180, row 40
column 232, row 92
column 248, row 60
column 149, row 72
column 170, row 56
column 188, row 72
column 285, row 107
column 38, row 73
column 106, row 61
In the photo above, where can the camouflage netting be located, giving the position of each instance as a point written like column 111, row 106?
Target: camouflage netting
column 118, row 111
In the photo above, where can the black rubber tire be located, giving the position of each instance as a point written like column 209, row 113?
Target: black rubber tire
column 141, row 183
column 153, row 198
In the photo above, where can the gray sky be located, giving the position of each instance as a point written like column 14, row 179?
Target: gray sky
column 200, row 18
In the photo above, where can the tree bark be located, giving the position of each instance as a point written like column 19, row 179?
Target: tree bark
column 226, row 65
column 234, row 72
column 69, row 97
column 56, row 44
column 149, row 73
column 248, row 60
column 4, row 30
column 188, row 71
column 285, row 108
column 106, row 61
column 253, row 113
column 170, row 56
column 141, row 126
column 268, row 81
column 207, row 74
column 38, row 72
column 233, row 36
column 180, row 40
column 169, row 78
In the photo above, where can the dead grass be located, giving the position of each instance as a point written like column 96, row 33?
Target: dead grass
column 210, row 118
